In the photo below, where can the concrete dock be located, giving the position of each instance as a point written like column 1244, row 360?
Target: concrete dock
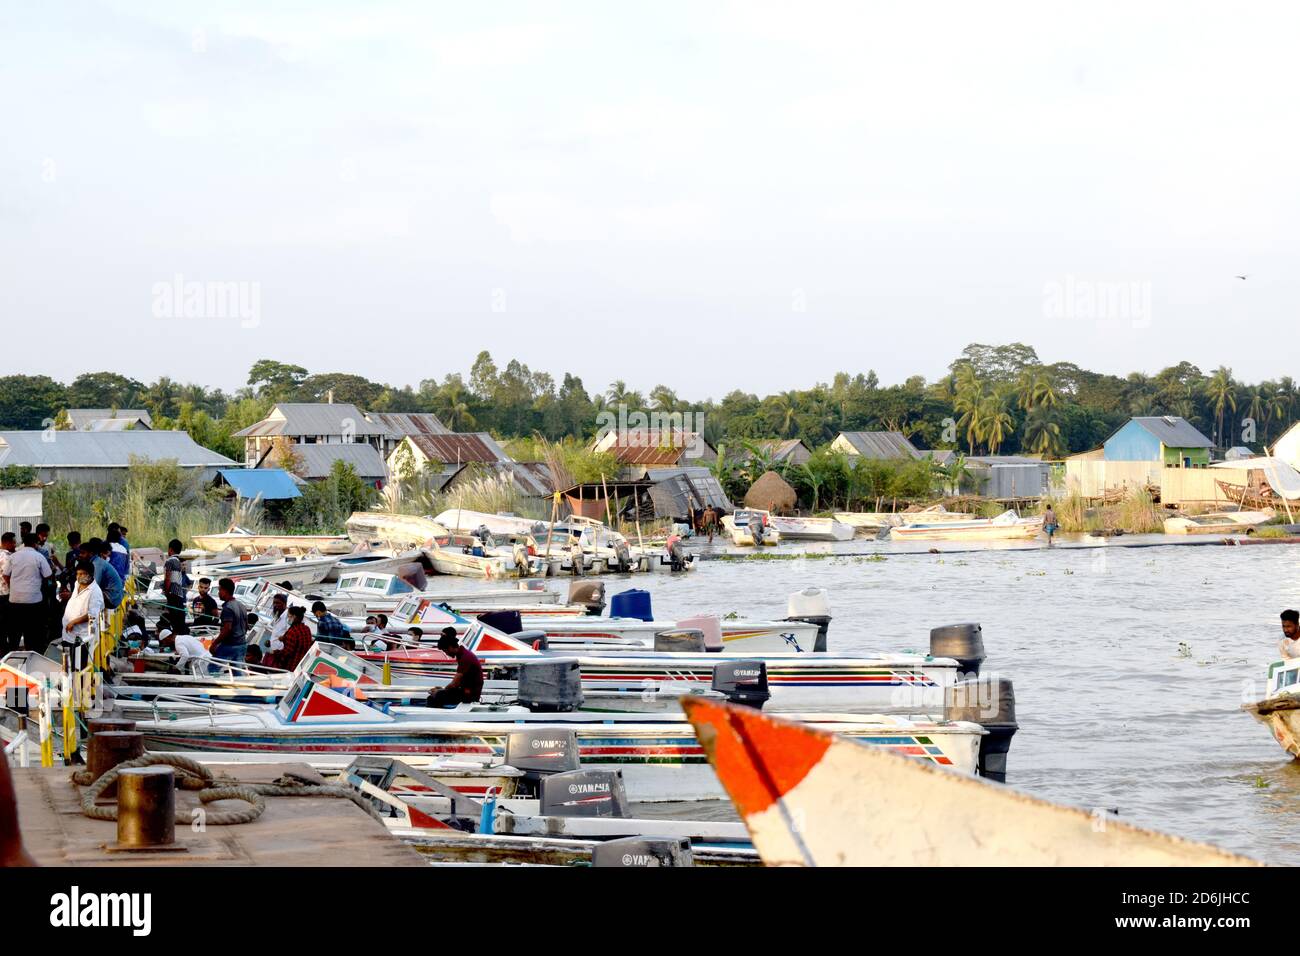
column 294, row 831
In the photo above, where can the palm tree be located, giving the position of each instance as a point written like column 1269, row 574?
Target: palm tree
column 1042, row 434
column 1222, row 393
column 663, row 398
column 452, row 406
column 969, row 403
column 995, row 421
column 1034, row 388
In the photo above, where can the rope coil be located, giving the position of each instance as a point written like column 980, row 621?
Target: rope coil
column 194, row 776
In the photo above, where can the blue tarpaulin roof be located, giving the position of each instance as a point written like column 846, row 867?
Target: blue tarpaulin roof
column 273, row 484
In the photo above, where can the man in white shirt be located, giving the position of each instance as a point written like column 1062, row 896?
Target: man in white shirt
column 84, row 606
column 28, row 569
column 187, row 646
column 7, row 544
column 1290, row 643
column 281, row 622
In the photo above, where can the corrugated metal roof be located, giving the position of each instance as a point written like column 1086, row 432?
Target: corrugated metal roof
column 313, row 418
column 116, row 425
column 881, row 444
column 272, row 484
column 81, row 418
column 399, row 424
column 74, row 449
column 675, row 489
column 1174, row 431
column 317, row 459
column 463, row 447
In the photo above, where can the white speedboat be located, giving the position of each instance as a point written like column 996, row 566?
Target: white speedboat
column 1007, row 525
column 1218, row 522
column 811, row 529
column 241, row 541
column 738, row 525
column 1279, row 710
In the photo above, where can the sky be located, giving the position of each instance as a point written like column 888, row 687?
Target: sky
column 706, row 195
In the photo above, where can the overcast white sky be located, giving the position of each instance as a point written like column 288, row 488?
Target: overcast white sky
column 615, row 188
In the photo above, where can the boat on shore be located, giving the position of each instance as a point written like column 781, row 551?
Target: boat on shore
column 240, row 541
column 1218, row 522
column 1006, row 526
column 811, row 529
column 739, row 526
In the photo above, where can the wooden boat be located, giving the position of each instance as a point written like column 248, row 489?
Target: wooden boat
column 868, row 524
column 383, row 592
column 239, row 541
column 811, row 529
column 467, row 522
column 381, row 528
column 300, row 572
column 738, row 526
column 810, row 798
column 1279, row 710
column 658, row 754
column 1218, row 522
column 1007, row 525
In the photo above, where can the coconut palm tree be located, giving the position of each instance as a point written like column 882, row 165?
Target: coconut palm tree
column 1221, row 390
column 996, row 422
column 1042, row 434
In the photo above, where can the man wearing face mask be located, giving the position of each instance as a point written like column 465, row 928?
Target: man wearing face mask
column 85, row 604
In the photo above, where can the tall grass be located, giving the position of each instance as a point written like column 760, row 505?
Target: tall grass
column 488, row 493
column 1136, row 513
column 157, row 501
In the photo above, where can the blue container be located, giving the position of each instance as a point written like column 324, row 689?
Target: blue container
column 631, row 603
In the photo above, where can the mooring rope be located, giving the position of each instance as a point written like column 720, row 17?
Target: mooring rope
column 194, row 776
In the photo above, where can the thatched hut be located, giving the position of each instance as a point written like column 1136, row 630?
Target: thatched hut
column 771, row 493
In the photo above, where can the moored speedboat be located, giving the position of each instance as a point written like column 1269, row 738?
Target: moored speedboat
column 811, row 529
column 1006, row 526
column 740, row 525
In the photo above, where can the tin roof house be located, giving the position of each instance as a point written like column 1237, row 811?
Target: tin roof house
column 880, row 446
column 1166, row 439
column 103, row 457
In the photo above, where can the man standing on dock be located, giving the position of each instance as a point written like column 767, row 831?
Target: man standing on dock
column 467, row 686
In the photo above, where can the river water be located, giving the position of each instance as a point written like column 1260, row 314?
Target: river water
column 1130, row 663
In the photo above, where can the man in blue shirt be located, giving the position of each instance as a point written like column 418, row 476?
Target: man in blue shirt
column 109, row 581
column 329, row 629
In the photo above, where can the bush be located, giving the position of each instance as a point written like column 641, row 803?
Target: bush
column 17, row 476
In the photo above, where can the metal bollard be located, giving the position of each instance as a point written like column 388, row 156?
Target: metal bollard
column 108, row 748
column 146, row 807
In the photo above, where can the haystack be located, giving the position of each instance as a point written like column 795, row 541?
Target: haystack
column 771, row 493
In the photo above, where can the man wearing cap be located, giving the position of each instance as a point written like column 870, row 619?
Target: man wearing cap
column 467, row 686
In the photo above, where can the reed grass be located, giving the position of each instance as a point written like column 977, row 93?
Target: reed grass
column 1134, row 514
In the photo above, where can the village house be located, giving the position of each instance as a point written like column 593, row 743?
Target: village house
column 880, row 446
column 103, row 457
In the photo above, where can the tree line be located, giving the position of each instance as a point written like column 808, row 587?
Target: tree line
column 994, row 399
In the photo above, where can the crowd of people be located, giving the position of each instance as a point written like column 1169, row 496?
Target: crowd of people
column 44, row 599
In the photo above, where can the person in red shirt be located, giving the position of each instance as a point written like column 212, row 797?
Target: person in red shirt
column 467, row 686
column 297, row 640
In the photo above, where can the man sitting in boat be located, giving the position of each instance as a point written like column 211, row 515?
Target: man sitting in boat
column 467, row 686
column 1290, row 643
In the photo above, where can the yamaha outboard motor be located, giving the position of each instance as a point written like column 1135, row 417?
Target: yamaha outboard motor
column 550, row 686
column 540, row 753
column 584, row 793
column 814, row 607
column 688, row 640
column 677, row 556
column 962, row 642
column 622, row 556
column 990, row 702
column 642, row 851
column 506, row 621
column 590, row 594
column 534, row 638
column 413, row 574
column 744, row 682
column 519, row 553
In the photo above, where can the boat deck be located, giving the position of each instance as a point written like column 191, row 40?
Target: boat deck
column 294, row 831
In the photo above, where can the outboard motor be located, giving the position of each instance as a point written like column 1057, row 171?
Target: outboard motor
column 590, row 594
column 622, row 556
column 642, row 851
column 535, row 639
column 519, row 553
column 505, row 621
column 744, row 682
column 540, row 753
column 584, row 793
column 962, row 642
column 812, row 606
column 413, row 574
column 484, row 535
column 683, row 640
column 553, row 686
column 677, row 556
column 990, row 702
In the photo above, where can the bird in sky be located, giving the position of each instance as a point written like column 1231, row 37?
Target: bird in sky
column 1242, row 278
